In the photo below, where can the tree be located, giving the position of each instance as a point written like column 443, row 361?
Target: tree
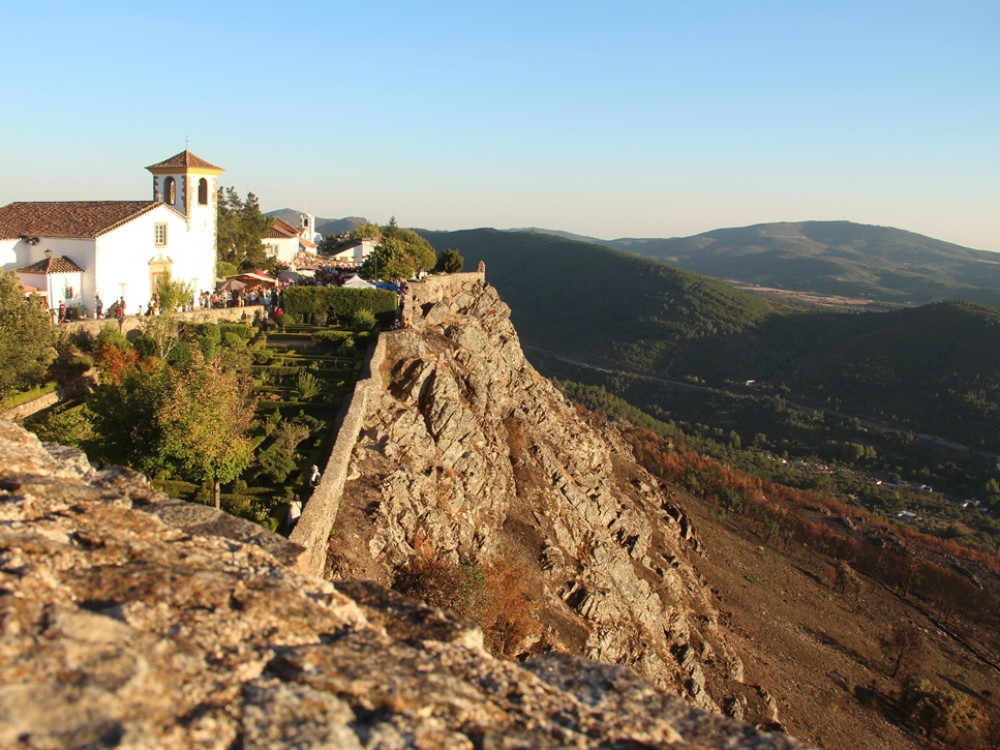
column 123, row 409
column 903, row 642
column 845, row 579
column 205, row 421
column 401, row 253
column 241, row 229
column 27, row 336
column 163, row 329
column 450, row 261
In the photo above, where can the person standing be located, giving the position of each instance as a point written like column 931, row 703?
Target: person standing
column 98, row 306
column 294, row 511
column 62, row 311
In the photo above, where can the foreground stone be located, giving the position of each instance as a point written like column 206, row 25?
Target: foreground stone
column 129, row 620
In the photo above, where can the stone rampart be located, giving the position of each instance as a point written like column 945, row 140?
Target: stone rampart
column 34, row 406
column 136, row 322
column 320, row 512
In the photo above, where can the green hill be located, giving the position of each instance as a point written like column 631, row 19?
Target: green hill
column 835, row 258
column 598, row 303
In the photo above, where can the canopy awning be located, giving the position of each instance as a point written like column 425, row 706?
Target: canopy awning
column 262, row 278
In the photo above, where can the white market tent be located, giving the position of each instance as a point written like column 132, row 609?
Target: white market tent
column 356, row 282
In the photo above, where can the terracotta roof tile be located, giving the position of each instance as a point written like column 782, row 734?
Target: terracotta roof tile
column 62, row 264
column 8, row 233
column 71, row 218
column 182, row 160
column 281, row 229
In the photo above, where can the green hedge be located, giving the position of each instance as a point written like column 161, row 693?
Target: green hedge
column 21, row 398
column 338, row 303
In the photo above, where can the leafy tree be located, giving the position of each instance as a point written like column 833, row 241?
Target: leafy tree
column 402, row 253
column 205, row 420
column 366, row 230
column 26, row 336
column 174, row 294
column 123, row 410
column 450, row 261
column 241, row 229
column 279, row 459
column 163, row 329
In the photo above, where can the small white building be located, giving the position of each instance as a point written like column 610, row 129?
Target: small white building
column 288, row 243
column 282, row 241
column 119, row 247
column 356, row 252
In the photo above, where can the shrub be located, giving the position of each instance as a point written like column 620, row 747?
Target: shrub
column 441, row 582
column 146, row 346
column 938, row 711
column 232, row 340
column 495, row 596
column 337, row 302
column 208, row 336
column 110, row 336
column 180, row 355
column 363, row 319
column 308, row 385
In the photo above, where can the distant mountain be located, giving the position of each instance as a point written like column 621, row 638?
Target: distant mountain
column 323, row 226
column 838, row 258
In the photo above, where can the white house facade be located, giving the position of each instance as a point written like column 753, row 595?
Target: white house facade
column 282, row 241
column 288, row 243
column 120, row 247
column 356, row 252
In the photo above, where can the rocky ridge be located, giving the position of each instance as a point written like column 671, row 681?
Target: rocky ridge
column 135, row 621
column 467, row 453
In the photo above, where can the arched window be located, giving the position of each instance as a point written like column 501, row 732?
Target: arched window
column 170, row 191
column 203, row 191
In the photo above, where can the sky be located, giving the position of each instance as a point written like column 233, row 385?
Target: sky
column 607, row 119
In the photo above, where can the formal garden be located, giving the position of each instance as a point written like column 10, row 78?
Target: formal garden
column 233, row 414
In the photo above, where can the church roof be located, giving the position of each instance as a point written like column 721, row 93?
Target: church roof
column 281, row 229
column 184, row 160
column 7, row 233
column 71, row 218
column 62, row 264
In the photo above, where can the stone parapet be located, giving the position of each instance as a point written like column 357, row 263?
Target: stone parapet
column 312, row 531
column 129, row 323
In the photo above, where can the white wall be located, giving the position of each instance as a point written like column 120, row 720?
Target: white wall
column 123, row 256
column 9, row 253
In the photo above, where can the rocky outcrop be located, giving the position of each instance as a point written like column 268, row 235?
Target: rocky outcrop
column 467, row 453
column 132, row 620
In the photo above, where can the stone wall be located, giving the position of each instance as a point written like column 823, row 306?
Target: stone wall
column 32, row 407
column 320, row 512
column 136, row 322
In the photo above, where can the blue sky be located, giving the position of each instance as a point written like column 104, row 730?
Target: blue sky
column 610, row 119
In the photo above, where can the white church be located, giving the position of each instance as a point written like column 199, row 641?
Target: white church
column 72, row 251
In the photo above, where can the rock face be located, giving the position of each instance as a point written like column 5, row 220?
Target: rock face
column 468, row 454
column 132, row 620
